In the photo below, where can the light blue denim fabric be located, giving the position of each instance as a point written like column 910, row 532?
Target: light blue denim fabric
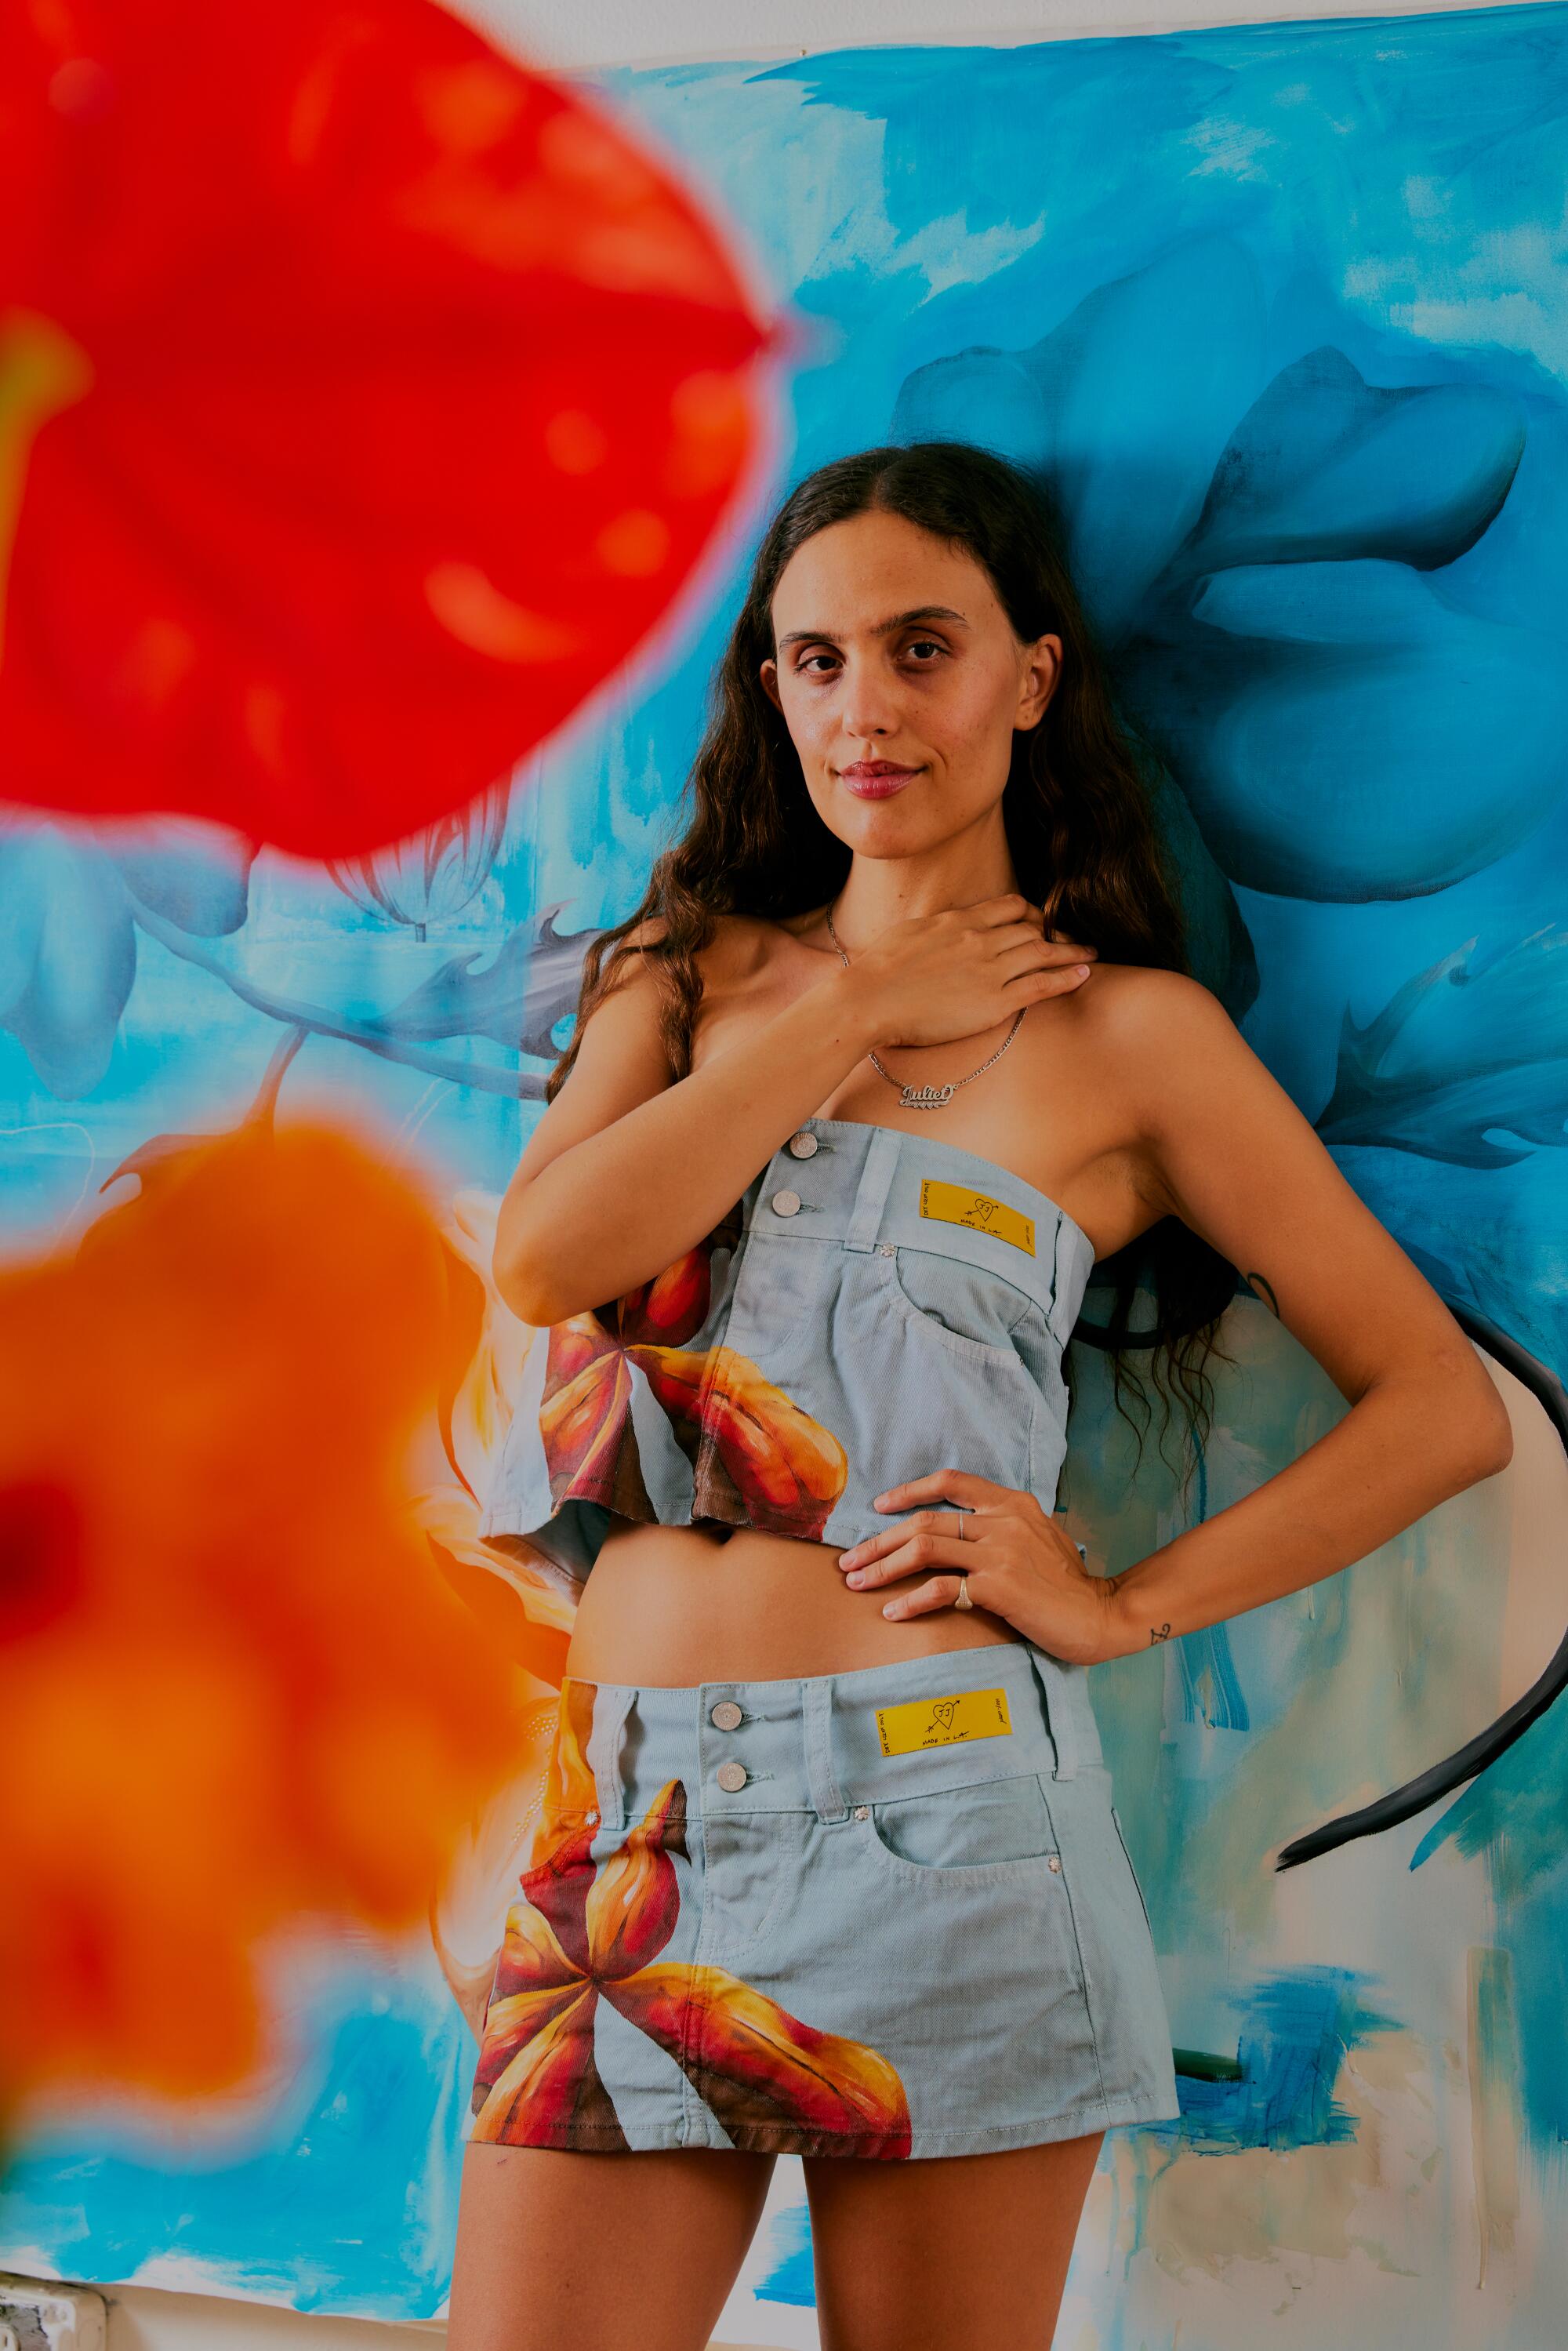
column 918, row 1344
column 755, row 1929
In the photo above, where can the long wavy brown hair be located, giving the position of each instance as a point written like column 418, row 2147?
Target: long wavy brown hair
column 1077, row 810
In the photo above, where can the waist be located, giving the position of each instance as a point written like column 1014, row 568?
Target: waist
column 678, row 1605
column 824, row 1742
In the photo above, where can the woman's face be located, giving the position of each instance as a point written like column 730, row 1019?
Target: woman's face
column 901, row 681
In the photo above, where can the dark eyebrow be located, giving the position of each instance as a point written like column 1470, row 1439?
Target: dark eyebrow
column 883, row 628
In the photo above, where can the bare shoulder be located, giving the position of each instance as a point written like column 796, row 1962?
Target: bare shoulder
column 1137, row 1010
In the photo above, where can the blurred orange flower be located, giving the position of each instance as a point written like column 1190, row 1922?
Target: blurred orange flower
column 526, row 1619
column 238, row 1687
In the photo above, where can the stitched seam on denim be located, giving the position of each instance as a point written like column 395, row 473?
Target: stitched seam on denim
column 1117, row 2109
column 990, row 1352
column 827, row 1798
column 1142, row 1904
column 1077, row 1946
column 690, row 2102
column 1027, row 1303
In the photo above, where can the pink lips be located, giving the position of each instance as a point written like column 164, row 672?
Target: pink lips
column 875, row 779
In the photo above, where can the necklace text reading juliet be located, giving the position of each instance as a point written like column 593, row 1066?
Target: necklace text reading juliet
column 929, row 1097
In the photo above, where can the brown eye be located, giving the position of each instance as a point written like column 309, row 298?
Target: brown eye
column 927, row 645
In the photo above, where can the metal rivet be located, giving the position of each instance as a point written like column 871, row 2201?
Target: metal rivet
column 726, row 1714
column 1055, row 1862
column 804, row 1145
column 887, row 1248
column 863, row 1812
column 786, row 1204
column 731, row 1776
column 590, row 1816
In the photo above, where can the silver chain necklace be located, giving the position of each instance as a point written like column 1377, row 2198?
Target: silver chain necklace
column 928, row 1097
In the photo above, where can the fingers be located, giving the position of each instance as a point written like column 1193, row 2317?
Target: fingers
column 940, row 1591
column 924, row 1548
column 945, row 1486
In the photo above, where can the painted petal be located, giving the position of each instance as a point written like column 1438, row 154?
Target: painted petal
column 585, row 1420
column 759, row 2066
column 785, row 1465
column 195, row 876
column 531, row 1959
column 551, row 2084
column 514, row 2019
column 672, row 1307
column 558, row 1881
column 634, row 1898
column 68, row 956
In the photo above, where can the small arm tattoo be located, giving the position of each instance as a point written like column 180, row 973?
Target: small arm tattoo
column 1158, row 1632
column 1265, row 1290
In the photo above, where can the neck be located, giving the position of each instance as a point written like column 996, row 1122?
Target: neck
column 880, row 890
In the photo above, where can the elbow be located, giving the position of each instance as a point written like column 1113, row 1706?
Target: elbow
column 520, row 1283
column 1484, row 1431
column 1494, row 1438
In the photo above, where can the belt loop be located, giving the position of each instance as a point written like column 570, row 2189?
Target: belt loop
column 1058, row 1711
column 817, row 1726
column 605, row 1743
column 871, row 1198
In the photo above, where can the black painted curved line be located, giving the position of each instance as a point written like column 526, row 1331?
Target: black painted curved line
column 1476, row 1754
column 1469, row 1761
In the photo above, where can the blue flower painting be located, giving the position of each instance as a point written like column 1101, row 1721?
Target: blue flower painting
column 1282, row 314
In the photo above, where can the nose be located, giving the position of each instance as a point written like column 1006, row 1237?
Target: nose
column 870, row 706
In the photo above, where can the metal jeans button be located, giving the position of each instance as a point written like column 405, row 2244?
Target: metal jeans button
column 727, row 1714
column 803, row 1144
column 863, row 1812
column 731, row 1776
column 1054, row 1862
column 785, row 1203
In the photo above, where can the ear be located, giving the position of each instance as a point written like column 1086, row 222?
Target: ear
column 1040, row 679
column 768, row 673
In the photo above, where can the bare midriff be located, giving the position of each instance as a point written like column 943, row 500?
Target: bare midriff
column 674, row 1605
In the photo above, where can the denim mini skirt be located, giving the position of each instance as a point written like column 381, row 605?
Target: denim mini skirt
column 886, row 1913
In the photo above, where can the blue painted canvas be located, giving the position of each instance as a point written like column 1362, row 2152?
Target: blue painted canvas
column 1283, row 312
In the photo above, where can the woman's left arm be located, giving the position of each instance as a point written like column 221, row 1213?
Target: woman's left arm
column 1225, row 1150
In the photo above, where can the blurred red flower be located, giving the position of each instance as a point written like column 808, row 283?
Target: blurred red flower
column 366, row 397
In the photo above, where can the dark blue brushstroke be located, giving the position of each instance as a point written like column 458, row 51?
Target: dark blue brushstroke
column 1301, row 2022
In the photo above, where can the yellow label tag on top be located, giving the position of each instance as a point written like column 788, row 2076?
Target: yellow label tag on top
column 942, row 1721
column 957, row 1204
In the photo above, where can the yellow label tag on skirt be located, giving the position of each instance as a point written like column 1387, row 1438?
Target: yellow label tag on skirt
column 942, row 1721
column 957, row 1204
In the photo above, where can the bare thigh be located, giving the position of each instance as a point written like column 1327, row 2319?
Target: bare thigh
column 611, row 2251
column 948, row 2251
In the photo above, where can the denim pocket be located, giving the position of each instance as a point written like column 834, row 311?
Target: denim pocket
column 990, row 1830
column 971, row 1311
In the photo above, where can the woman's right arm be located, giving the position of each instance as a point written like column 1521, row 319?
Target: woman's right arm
column 630, row 1166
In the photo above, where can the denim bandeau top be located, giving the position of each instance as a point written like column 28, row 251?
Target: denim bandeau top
column 877, row 1304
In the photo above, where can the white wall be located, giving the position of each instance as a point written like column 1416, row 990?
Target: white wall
column 567, row 34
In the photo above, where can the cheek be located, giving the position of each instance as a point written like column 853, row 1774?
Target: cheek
column 972, row 709
column 810, row 718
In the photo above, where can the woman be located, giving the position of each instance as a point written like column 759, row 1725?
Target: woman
column 831, row 1864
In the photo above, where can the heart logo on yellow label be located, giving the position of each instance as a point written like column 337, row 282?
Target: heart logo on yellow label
column 956, row 1203
column 942, row 1721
